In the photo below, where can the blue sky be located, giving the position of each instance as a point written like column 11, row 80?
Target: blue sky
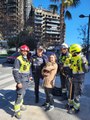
column 72, row 35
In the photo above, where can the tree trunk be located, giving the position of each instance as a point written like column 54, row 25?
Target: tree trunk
column 62, row 23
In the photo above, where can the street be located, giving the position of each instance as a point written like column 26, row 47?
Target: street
column 34, row 111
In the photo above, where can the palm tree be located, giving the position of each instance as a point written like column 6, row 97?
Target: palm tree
column 64, row 13
column 53, row 8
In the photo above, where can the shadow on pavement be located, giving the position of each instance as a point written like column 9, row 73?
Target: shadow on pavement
column 30, row 98
column 6, row 99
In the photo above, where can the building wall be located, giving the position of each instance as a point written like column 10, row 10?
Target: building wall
column 15, row 13
column 15, row 17
column 46, row 27
column 3, row 8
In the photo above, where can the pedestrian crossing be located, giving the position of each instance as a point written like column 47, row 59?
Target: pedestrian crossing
column 6, row 80
column 4, row 76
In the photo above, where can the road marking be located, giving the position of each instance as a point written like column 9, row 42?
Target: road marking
column 6, row 80
column 4, row 76
column 9, row 83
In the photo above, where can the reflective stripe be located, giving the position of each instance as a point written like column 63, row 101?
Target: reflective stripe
column 70, row 102
column 66, row 65
column 16, row 69
column 78, row 72
column 76, row 105
column 17, row 108
column 64, row 90
column 24, row 72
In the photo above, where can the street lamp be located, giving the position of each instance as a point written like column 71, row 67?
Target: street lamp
column 88, row 36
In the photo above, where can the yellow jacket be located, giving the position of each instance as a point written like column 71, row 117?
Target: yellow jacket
column 77, row 64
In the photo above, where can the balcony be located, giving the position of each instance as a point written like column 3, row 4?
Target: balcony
column 51, row 32
column 52, row 29
column 38, row 22
column 38, row 18
column 53, row 21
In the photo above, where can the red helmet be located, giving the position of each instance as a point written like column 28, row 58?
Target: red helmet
column 24, row 47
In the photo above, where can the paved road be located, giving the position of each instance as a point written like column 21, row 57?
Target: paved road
column 34, row 111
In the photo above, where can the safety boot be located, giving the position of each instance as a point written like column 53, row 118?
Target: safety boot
column 17, row 115
column 23, row 107
column 76, row 107
column 69, row 104
column 49, row 108
column 73, row 111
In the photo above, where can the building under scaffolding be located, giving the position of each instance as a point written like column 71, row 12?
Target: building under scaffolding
column 13, row 16
column 46, row 27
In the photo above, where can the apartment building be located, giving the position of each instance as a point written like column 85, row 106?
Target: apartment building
column 14, row 16
column 46, row 27
column 2, row 13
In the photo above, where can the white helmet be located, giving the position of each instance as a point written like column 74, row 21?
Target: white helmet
column 64, row 45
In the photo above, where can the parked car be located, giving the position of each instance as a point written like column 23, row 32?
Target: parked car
column 11, row 59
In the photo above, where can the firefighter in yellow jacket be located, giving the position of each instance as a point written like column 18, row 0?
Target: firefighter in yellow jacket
column 21, row 73
column 79, row 67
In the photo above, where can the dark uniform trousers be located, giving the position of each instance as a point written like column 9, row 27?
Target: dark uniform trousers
column 37, row 76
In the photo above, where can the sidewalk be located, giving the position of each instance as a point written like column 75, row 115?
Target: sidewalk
column 35, row 112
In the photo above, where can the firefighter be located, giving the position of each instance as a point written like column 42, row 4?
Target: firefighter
column 64, row 69
column 38, row 62
column 21, row 73
column 79, row 66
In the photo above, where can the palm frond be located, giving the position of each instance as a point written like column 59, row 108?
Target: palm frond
column 75, row 3
column 68, row 15
column 54, row 0
column 54, row 8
